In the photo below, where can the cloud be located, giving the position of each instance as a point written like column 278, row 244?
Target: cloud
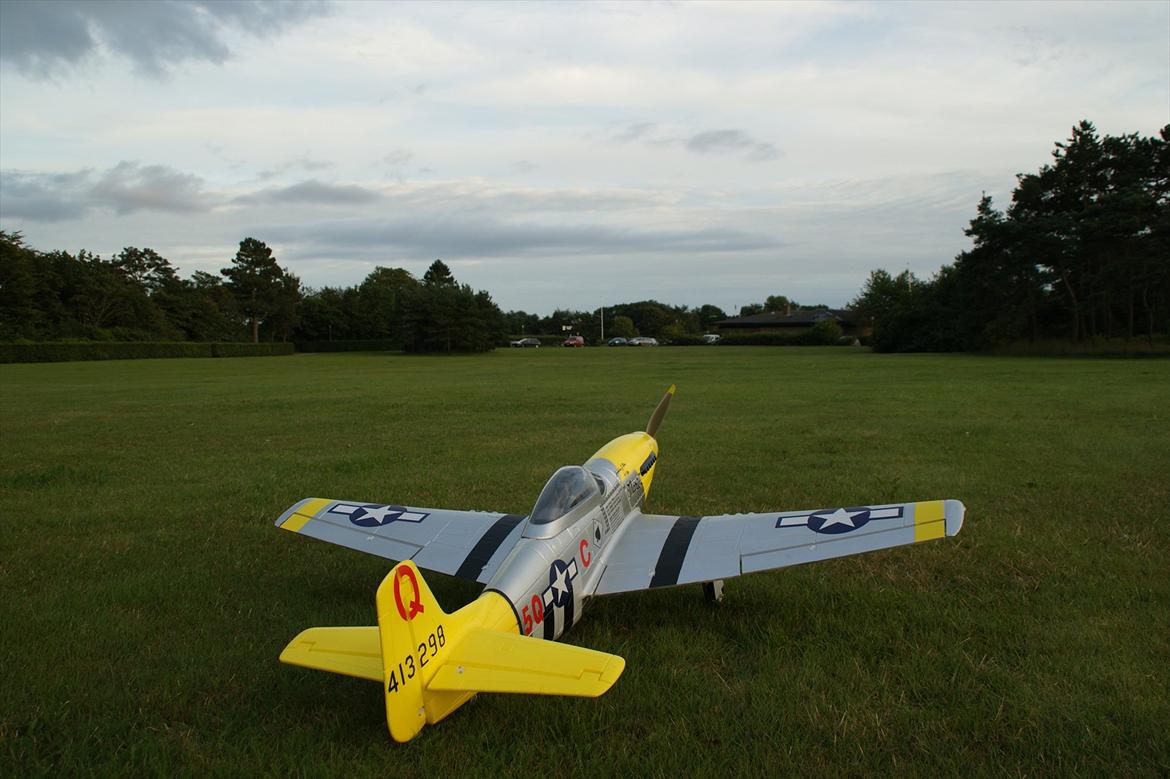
column 39, row 197
column 461, row 236
column 126, row 188
column 303, row 162
column 398, row 157
column 478, row 196
column 129, row 187
column 315, row 192
column 735, row 142
column 634, row 132
column 731, row 142
column 42, row 39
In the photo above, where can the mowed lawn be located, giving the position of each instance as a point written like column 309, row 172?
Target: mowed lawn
column 147, row 595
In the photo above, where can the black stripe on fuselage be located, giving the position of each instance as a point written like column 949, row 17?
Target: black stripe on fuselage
column 550, row 623
column 674, row 551
column 487, row 545
column 568, row 610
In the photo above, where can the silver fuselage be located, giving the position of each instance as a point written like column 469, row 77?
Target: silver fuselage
column 553, row 569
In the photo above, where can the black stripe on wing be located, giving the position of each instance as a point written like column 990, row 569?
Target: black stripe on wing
column 487, row 545
column 674, row 551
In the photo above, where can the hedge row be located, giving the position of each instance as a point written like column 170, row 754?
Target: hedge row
column 806, row 338
column 545, row 340
column 687, row 340
column 349, row 346
column 132, row 350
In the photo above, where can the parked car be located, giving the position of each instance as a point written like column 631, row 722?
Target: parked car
column 642, row 341
column 574, row 340
column 526, row 343
column 618, row 341
column 712, row 338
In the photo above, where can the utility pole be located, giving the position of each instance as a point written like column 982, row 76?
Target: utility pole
column 603, row 324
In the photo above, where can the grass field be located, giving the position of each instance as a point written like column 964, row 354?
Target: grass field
column 147, row 594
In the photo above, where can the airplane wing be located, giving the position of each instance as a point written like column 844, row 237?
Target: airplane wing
column 467, row 544
column 662, row 551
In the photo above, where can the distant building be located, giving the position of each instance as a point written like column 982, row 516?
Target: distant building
column 794, row 322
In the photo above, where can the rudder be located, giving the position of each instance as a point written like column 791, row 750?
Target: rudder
column 413, row 635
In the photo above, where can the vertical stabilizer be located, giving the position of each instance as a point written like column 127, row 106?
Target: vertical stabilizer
column 418, row 638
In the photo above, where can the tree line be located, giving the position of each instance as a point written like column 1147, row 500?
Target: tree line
column 1082, row 252
column 644, row 317
column 137, row 295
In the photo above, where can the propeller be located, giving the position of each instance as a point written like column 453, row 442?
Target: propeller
column 660, row 412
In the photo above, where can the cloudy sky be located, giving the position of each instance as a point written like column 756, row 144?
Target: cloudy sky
column 557, row 155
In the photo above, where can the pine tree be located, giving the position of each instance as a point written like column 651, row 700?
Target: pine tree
column 260, row 286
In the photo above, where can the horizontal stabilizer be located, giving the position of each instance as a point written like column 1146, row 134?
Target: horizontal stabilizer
column 430, row 663
column 347, row 651
column 490, row 661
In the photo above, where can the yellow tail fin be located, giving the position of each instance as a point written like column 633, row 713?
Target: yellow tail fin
column 431, row 662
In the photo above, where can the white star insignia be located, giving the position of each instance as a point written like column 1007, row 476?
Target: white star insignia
column 839, row 517
column 561, row 584
column 378, row 513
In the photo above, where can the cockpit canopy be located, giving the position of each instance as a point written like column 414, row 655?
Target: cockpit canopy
column 570, row 494
column 568, row 488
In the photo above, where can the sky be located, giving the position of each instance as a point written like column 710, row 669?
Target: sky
column 558, row 155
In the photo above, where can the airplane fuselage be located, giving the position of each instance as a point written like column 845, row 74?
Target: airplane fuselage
column 557, row 563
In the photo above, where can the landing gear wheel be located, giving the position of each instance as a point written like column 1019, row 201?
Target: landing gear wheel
column 713, row 591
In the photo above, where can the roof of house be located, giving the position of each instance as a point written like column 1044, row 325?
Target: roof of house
column 799, row 318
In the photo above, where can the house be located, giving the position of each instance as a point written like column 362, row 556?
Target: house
column 795, row 322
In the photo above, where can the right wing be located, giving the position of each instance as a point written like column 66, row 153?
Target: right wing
column 467, row 544
column 662, row 551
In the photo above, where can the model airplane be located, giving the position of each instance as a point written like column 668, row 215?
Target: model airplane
column 585, row 536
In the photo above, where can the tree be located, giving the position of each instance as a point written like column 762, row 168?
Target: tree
column 1080, row 252
column 438, row 275
column 146, row 268
column 209, row 312
column 521, row 323
column 260, row 286
column 104, row 301
column 779, row 304
column 708, row 315
column 285, row 312
column 881, row 293
column 623, row 327
column 441, row 315
column 379, row 301
column 158, row 302
column 20, row 317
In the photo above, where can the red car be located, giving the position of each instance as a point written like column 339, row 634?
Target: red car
column 574, row 340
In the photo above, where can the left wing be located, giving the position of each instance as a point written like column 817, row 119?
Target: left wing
column 661, row 551
column 467, row 544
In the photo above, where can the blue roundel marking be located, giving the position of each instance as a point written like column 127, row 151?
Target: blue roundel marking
column 376, row 515
column 836, row 521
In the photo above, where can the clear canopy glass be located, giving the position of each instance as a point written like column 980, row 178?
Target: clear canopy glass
column 568, row 487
